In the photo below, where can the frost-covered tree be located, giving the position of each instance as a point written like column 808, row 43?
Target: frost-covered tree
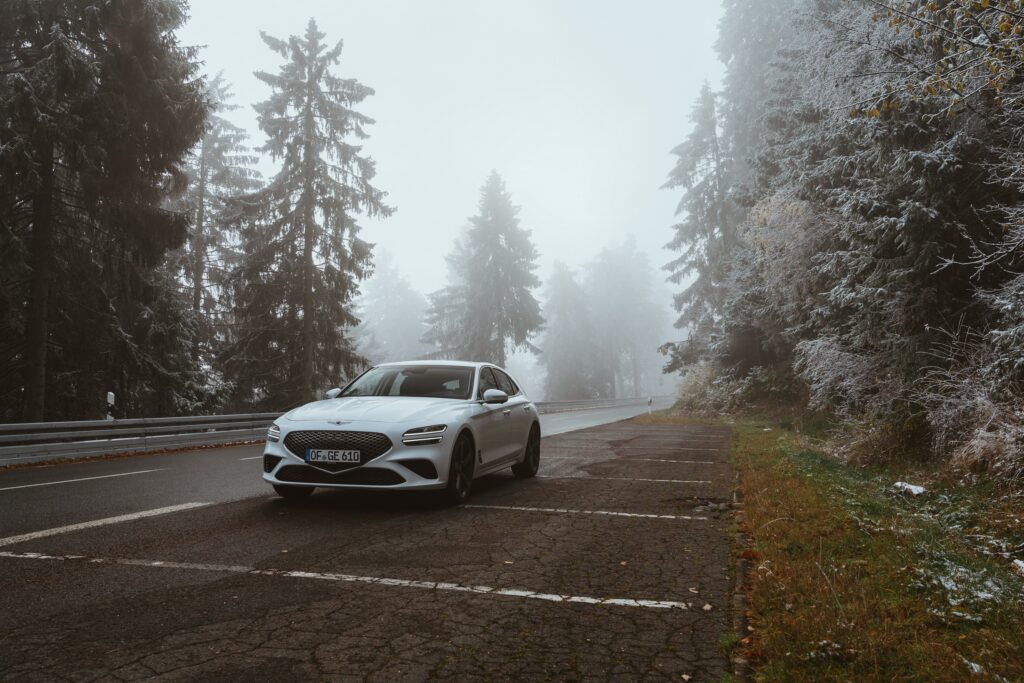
column 706, row 235
column 873, row 250
column 302, row 256
column 99, row 105
column 488, row 306
column 219, row 168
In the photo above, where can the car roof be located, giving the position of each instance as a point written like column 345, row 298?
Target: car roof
column 447, row 363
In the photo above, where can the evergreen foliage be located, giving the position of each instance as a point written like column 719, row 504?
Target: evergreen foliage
column 488, row 306
column 569, row 345
column 868, row 259
column 219, row 168
column 392, row 314
column 628, row 321
column 302, row 257
column 99, row 104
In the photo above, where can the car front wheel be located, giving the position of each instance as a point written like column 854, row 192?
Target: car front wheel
column 293, row 492
column 460, row 471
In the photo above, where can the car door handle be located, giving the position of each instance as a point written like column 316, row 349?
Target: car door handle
column 507, row 411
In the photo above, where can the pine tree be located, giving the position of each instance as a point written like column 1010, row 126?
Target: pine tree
column 302, row 256
column 627, row 321
column 100, row 105
column 219, row 168
column 706, row 235
column 392, row 314
column 568, row 347
column 488, row 306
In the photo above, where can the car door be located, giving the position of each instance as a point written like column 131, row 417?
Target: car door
column 518, row 413
column 490, row 423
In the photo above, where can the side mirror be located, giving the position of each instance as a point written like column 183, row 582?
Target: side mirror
column 495, row 396
column 333, row 393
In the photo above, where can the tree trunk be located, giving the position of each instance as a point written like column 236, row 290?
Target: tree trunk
column 199, row 241
column 37, row 314
column 309, row 217
column 308, row 339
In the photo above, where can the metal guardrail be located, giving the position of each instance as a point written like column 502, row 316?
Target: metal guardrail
column 35, row 441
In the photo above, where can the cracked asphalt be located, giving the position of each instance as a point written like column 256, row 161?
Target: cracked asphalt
column 610, row 565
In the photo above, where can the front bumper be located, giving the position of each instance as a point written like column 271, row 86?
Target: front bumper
column 419, row 468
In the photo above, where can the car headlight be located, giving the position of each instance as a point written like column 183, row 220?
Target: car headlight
column 424, row 436
column 274, row 433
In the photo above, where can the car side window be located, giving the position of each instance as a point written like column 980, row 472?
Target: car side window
column 487, row 381
column 505, row 383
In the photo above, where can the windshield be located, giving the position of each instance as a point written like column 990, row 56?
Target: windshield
column 430, row 381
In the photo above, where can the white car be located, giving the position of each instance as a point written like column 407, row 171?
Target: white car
column 419, row 425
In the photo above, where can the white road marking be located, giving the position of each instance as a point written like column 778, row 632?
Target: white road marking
column 596, row 460
column 374, row 580
column 660, row 481
column 581, row 512
column 646, row 448
column 255, row 457
column 72, row 481
column 11, row 540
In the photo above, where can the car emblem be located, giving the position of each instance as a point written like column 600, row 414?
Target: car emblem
column 340, row 422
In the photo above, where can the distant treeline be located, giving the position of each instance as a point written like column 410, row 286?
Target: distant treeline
column 851, row 229
column 142, row 253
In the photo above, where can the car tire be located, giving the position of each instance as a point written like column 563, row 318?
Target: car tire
column 460, row 471
column 531, row 460
column 293, row 492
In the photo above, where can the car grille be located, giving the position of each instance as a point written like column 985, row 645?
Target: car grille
column 369, row 444
column 364, row 476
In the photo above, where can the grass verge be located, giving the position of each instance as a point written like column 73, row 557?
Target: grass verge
column 854, row 580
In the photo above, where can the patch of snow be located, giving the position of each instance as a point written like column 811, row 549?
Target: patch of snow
column 1018, row 566
column 974, row 668
column 963, row 586
column 908, row 488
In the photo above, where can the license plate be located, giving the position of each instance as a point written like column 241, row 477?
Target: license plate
column 328, row 455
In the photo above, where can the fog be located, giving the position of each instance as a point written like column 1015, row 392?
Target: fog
column 576, row 103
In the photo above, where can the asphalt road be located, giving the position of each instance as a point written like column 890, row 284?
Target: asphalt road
column 606, row 566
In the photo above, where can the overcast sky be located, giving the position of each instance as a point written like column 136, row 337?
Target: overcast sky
column 575, row 102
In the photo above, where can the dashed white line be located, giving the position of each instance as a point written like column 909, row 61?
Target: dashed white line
column 659, row 481
column 255, row 457
column 570, row 511
column 11, row 540
column 72, row 481
column 373, row 580
column 596, row 460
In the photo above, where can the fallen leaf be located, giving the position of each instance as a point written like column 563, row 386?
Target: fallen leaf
column 694, row 590
column 707, row 607
column 624, row 563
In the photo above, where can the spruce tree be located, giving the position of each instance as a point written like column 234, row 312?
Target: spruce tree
column 302, row 255
column 219, row 168
column 488, row 306
column 568, row 347
column 100, row 103
column 392, row 314
column 706, row 235
column 627, row 321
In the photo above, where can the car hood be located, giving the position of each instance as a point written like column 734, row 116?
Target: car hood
column 405, row 409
